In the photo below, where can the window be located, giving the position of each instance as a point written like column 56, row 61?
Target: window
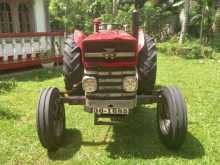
column 6, row 24
column 24, row 18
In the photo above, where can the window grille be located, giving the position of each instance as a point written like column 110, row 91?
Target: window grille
column 24, row 18
column 6, row 24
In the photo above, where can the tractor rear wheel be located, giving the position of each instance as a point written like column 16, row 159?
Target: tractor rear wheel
column 50, row 119
column 147, row 66
column 72, row 67
column 171, row 117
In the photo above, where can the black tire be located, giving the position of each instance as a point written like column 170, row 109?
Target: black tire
column 50, row 119
column 147, row 66
column 72, row 67
column 172, row 117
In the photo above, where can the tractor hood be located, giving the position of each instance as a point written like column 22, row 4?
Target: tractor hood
column 110, row 36
column 109, row 49
column 117, row 40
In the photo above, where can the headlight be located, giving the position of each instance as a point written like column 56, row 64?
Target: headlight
column 130, row 84
column 89, row 84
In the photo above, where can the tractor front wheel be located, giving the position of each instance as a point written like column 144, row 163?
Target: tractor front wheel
column 50, row 119
column 172, row 117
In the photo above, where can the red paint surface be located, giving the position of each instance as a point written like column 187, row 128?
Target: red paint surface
column 110, row 36
column 97, row 22
column 22, row 64
column 110, row 64
column 79, row 36
column 30, row 34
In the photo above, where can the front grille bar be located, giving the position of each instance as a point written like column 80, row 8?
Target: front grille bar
column 108, row 80
column 110, row 88
column 114, row 54
column 110, row 73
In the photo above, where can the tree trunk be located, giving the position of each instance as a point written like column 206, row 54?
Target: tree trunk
column 202, row 24
column 184, row 16
column 216, row 28
column 114, row 8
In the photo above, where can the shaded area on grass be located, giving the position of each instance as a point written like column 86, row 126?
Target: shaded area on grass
column 7, row 85
column 34, row 75
column 6, row 114
column 72, row 143
column 135, row 138
column 138, row 138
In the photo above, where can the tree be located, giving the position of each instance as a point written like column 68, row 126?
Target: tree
column 115, row 7
column 184, row 17
column 69, row 13
column 206, row 15
column 216, row 26
column 77, row 13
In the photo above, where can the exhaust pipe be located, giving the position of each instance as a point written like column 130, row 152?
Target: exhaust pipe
column 135, row 23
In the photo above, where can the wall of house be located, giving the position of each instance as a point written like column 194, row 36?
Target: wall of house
column 25, row 45
column 40, row 15
column 14, row 5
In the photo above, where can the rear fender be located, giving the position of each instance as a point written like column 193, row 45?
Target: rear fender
column 79, row 36
column 141, row 41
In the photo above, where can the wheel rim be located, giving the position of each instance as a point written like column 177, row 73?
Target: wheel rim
column 58, row 118
column 164, row 117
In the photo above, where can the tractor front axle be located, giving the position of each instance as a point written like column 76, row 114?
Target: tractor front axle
column 80, row 100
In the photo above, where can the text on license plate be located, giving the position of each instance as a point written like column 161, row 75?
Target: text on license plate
column 118, row 111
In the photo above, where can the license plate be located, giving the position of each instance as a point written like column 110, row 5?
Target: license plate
column 116, row 111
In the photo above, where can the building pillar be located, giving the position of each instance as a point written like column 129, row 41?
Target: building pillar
column 47, row 15
column 40, row 16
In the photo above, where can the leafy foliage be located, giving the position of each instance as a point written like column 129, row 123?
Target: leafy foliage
column 216, row 41
column 159, row 18
column 189, row 50
column 6, row 86
column 72, row 14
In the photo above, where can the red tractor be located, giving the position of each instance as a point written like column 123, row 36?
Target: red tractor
column 110, row 72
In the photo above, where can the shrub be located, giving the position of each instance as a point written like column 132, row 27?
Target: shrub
column 7, row 85
column 189, row 49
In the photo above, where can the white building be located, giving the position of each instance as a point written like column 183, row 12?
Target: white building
column 25, row 34
column 23, row 16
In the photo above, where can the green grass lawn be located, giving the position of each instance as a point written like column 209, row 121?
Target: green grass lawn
column 134, row 142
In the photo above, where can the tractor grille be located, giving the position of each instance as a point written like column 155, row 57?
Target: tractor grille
column 110, row 51
column 110, row 84
column 110, row 57
column 95, row 47
column 110, row 92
